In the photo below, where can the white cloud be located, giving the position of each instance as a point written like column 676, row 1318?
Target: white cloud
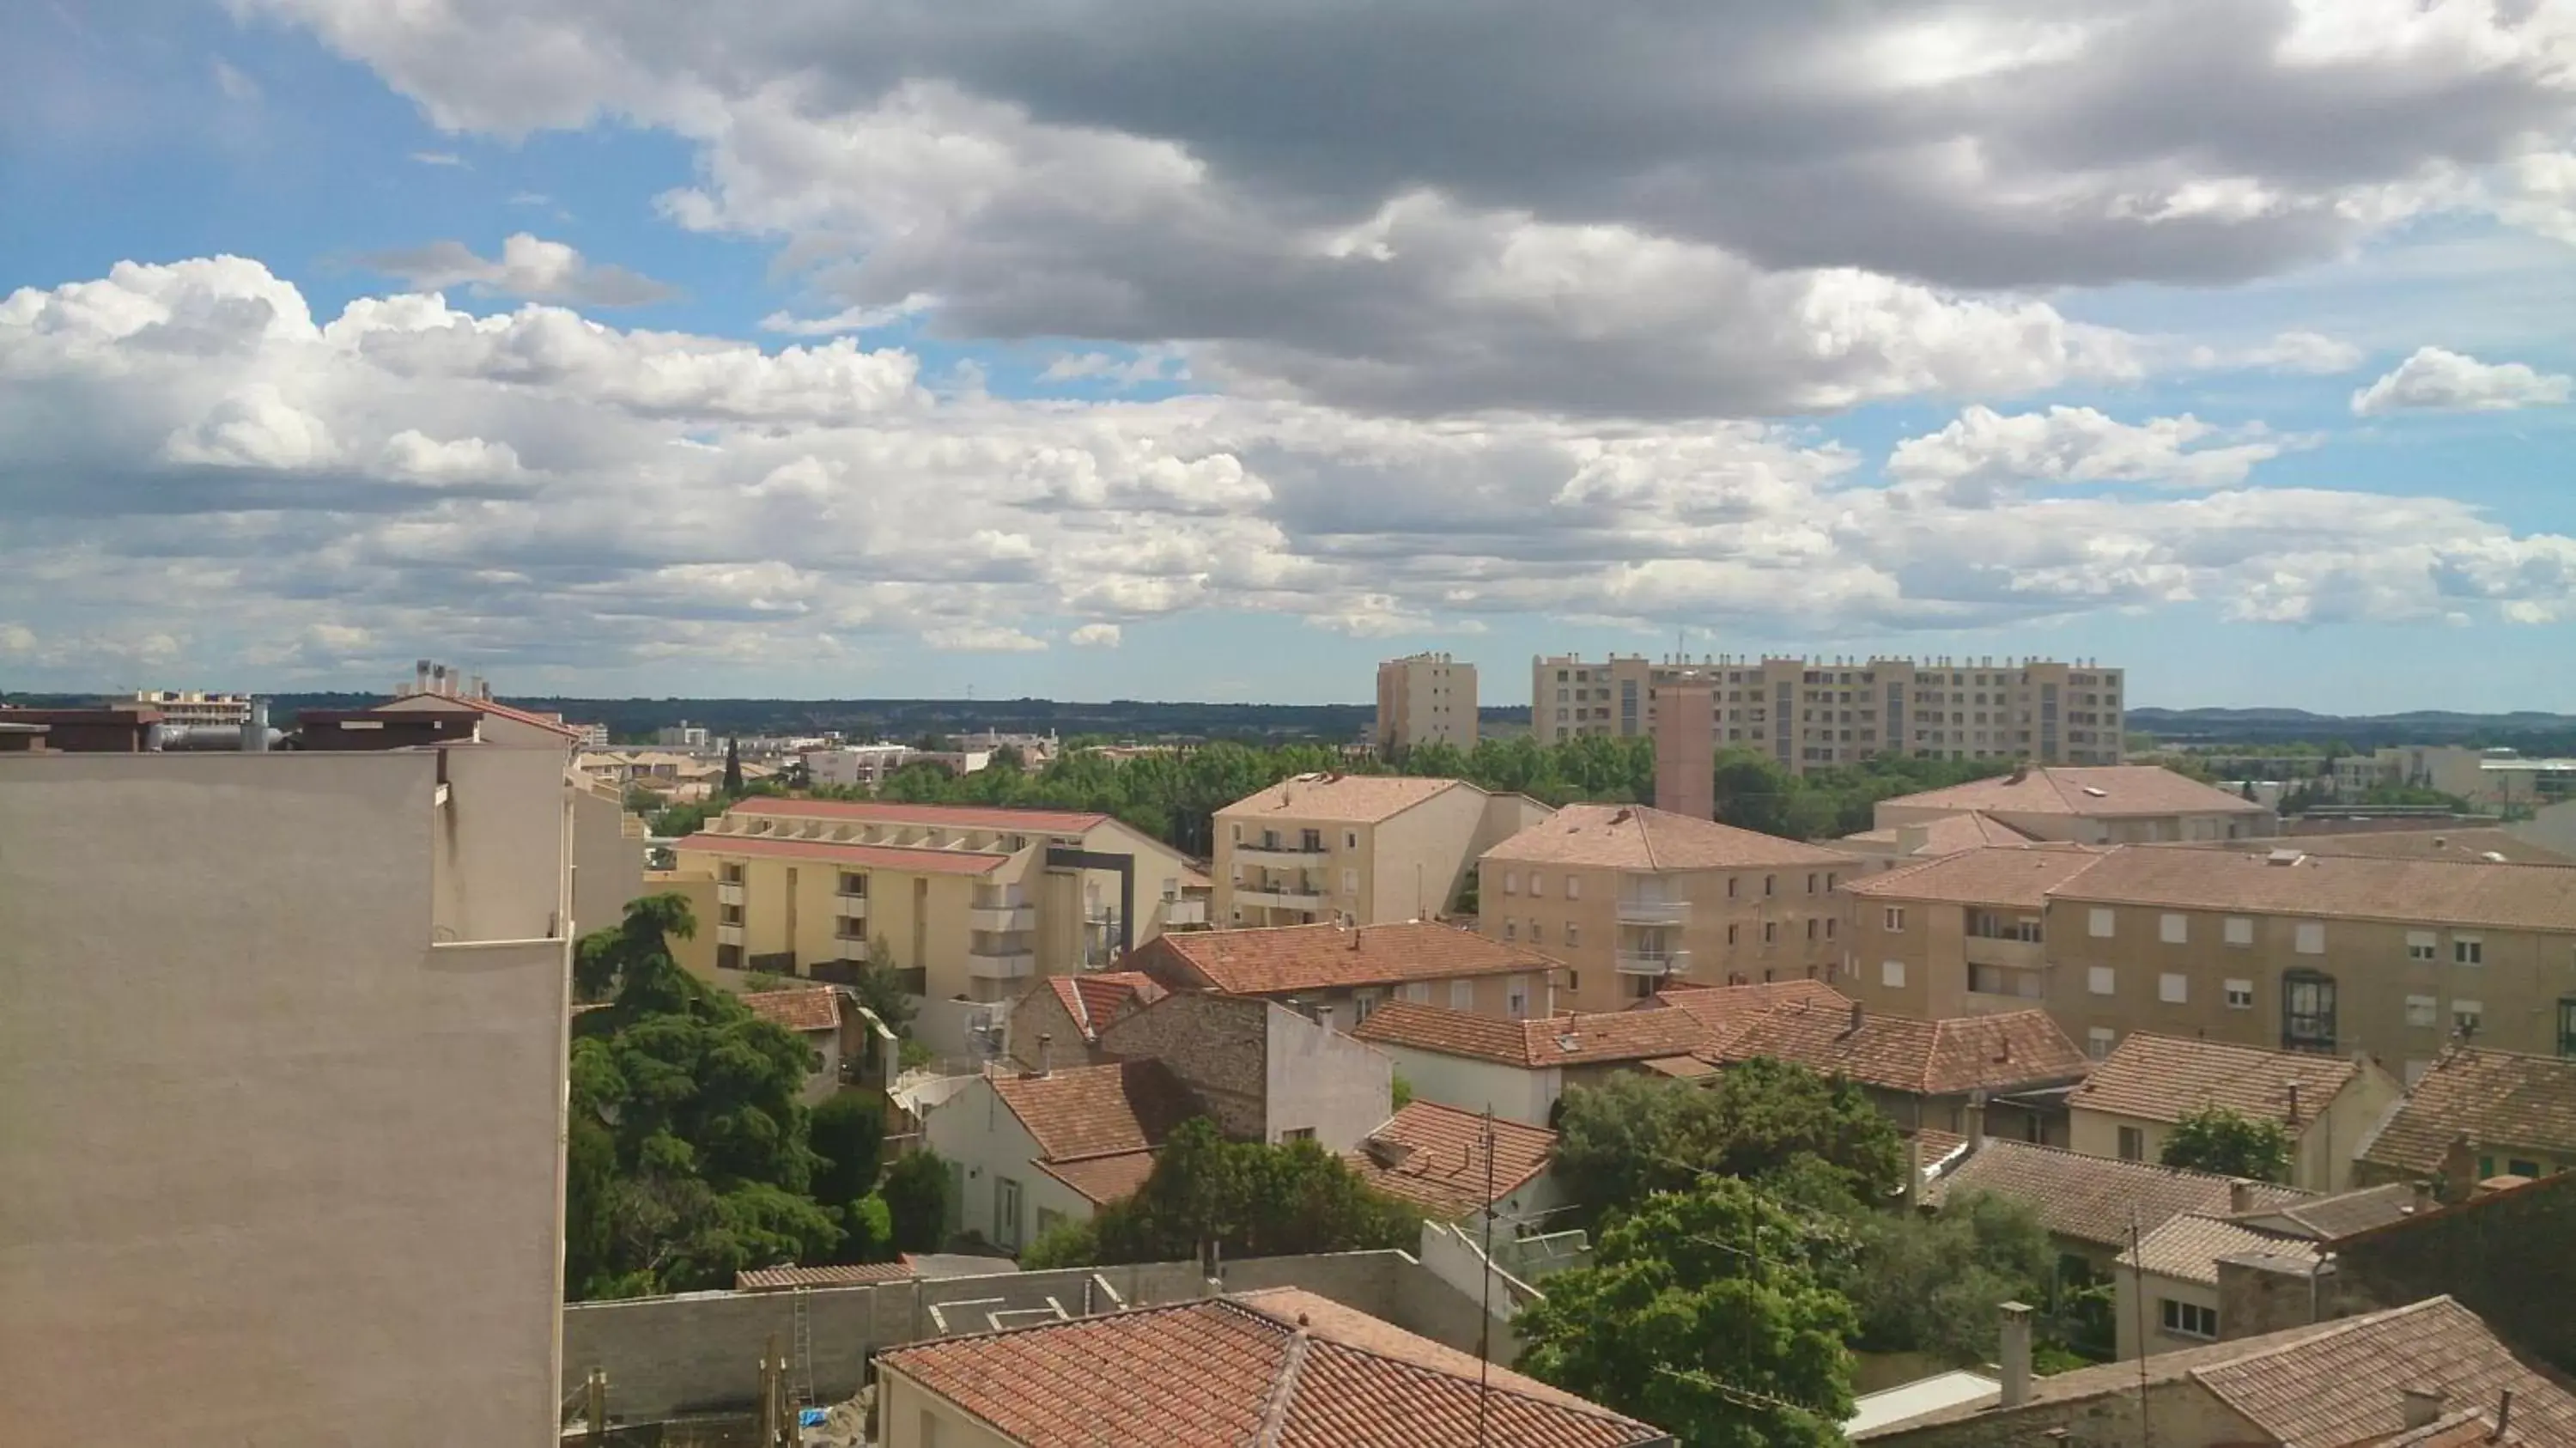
column 1096, row 636
column 2305, row 352
column 255, row 427
column 528, row 266
column 850, row 319
column 236, row 86
column 2435, row 380
column 442, row 158
column 411, row 454
column 1979, row 457
column 982, row 639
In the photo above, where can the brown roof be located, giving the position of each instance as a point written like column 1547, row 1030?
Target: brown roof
column 2466, row 1428
column 493, row 707
column 853, row 1274
column 1351, row 1327
column 2497, row 1098
column 1434, row 1156
column 1283, row 959
column 1095, row 998
column 815, row 1008
column 2187, row 1247
column 2093, row 1198
column 1356, row 799
column 953, row 816
column 1228, row 1372
column 1944, row 835
column 2418, row 892
column 1093, row 1110
column 2105, row 791
column 2011, row 876
column 1723, row 1011
column 1569, row 1040
column 1111, row 1177
column 897, row 858
column 2342, row 1214
column 1905, row 1053
column 2165, row 1078
column 1634, row 837
column 2471, row 844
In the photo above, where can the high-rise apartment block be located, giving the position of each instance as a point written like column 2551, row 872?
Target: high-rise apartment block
column 1426, row 699
column 1813, row 713
column 193, row 708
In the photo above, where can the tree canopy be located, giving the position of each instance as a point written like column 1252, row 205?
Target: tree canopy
column 1251, row 1198
column 1931, row 1284
column 1634, row 1134
column 2230, row 1143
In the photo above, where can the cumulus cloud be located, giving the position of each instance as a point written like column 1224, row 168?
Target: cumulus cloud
column 1096, row 636
column 528, row 266
column 982, row 639
column 1980, row 456
column 2436, row 380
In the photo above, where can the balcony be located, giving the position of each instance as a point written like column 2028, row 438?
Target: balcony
column 1290, row 854
column 2009, row 954
column 1654, row 912
column 729, row 892
column 728, row 935
column 1654, row 962
column 1184, row 912
column 1001, row 962
column 1280, row 899
column 850, row 907
column 1002, row 919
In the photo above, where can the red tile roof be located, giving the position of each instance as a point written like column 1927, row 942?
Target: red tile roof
column 2165, row 1078
column 1434, row 1156
column 1635, row 837
column 1944, row 835
column 954, row 816
column 1724, row 1011
column 1110, row 1177
column 2346, row 1383
column 2498, row 1099
column 2015, row 876
column 2108, row 791
column 1904, row 1053
column 1094, row 999
column 1281, row 960
column 1094, row 1110
column 788, row 1279
column 817, row 1008
column 1341, row 798
column 1224, row 1372
column 898, row 859
column 1569, row 1040
column 2094, row 1198
column 2412, row 892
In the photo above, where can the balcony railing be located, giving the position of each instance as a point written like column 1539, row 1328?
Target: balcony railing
column 850, row 907
column 1185, row 912
column 1285, row 852
column 729, row 892
column 2016, row 954
column 1281, row 899
column 1002, row 918
column 1653, row 962
column 1654, row 912
column 728, row 935
column 986, row 963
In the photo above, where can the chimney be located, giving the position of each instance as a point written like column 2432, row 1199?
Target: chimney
column 2016, row 1354
column 1914, row 1170
column 2422, row 1406
column 2459, row 1170
column 1046, row 1052
column 420, row 676
column 2504, row 1417
column 2424, row 1195
column 2294, row 1107
column 2240, row 1197
column 1910, row 838
column 1976, row 1132
column 1859, row 1013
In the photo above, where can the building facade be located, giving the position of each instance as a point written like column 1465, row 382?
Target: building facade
column 1358, row 849
column 1426, row 699
column 2127, row 804
column 1816, row 713
column 1339, row 975
column 191, row 708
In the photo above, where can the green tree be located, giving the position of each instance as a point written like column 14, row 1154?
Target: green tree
column 1703, row 1312
column 847, row 1133
column 681, row 820
column 1634, row 1135
column 2230, row 1143
column 880, row 987
column 1251, row 1198
column 916, row 1198
column 733, row 768
column 1930, row 1284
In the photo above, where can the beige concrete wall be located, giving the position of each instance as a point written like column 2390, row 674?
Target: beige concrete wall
column 500, row 846
column 2322, row 1158
column 279, row 1170
column 1514, row 1094
column 912, row 1416
column 1422, row 856
column 698, row 953
column 975, row 1130
column 1320, row 1081
column 2140, row 1312
column 1929, row 941
column 608, row 863
column 1547, row 918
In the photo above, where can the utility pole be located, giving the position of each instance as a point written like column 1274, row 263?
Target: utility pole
column 1485, row 1315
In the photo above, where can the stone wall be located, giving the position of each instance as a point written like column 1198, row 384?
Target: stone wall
column 1218, row 1046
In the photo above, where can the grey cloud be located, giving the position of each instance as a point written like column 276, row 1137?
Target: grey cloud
column 539, row 270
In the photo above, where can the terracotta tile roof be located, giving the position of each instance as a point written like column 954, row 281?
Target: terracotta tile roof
column 1221, row 1373
column 1355, row 799
column 2342, row 1214
column 1280, row 960
column 1946, row 835
column 2499, row 1099
column 2344, row 1384
column 1434, row 1156
column 1095, row 998
column 788, row 1279
column 1634, row 837
column 952, row 816
column 895, row 858
column 2106, row 791
column 2011, row 876
column 1724, row 1011
column 1937, row 1145
column 2418, row 892
column 1904, row 1053
column 816, row 1008
column 1111, row 1177
column 2470, row 845
column 2187, row 1247
column 1680, row 1068
column 1093, row 1110
column 1569, row 1040
column 497, row 709
column 1351, row 1327
column 2165, row 1078
column 2092, row 1198
column 2467, row 1428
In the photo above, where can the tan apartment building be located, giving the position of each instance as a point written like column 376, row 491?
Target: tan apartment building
column 1959, row 934
column 1339, row 975
column 285, row 1128
column 190, row 708
column 1360, row 849
column 1426, row 699
column 1815, row 713
column 973, row 903
column 2127, row 804
column 1634, row 900
column 2327, row 1104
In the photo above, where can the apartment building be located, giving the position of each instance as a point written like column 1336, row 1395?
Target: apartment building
column 1361, row 849
column 1634, row 900
column 2286, row 950
column 2325, row 1104
column 972, row 903
column 1815, row 713
column 190, row 708
column 284, row 1129
column 1339, row 974
column 856, row 766
column 2127, row 804
column 2481, row 776
column 1426, row 699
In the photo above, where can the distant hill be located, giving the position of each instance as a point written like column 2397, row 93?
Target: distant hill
column 2527, row 730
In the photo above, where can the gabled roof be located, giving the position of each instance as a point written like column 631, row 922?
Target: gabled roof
column 2014, row 877
column 1101, row 1180
column 2093, row 1198
column 2413, row 892
column 852, row 1274
column 1284, row 959
column 2165, row 1078
column 493, row 707
column 1569, row 1040
column 1354, row 799
column 2497, row 1099
column 2103, row 791
column 895, row 858
column 1095, row 998
column 2339, row 1215
column 1095, row 1110
column 1725, row 1011
column 2187, row 1247
column 953, row 816
column 812, row 1008
column 1920, row 1057
column 1219, row 1373
column 2470, row 844
column 1434, row 1156
column 1634, row 837
column 1945, row 835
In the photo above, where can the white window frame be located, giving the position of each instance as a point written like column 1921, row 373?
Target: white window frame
column 1538, row 885
column 2173, row 928
column 1573, row 934
column 2099, row 923
column 1894, row 920
column 2239, row 930
column 1573, row 887
column 2467, row 1015
column 2422, row 945
column 1511, row 928
column 1418, row 992
column 2423, row 1011
column 1511, row 882
column 2173, row 988
column 2240, row 995
column 1462, row 995
column 1891, row 974
column 2098, row 1042
column 1516, row 997
column 2187, row 1319
column 2468, row 950
column 2101, row 980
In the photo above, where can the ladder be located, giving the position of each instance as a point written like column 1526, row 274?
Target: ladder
column 804, row 1349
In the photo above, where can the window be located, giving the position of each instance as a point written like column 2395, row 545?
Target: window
column 1048, row 1220
column 1350, row 880
column 854, row 884
column 2518, row 1167
column 2099, row 925
column 2567, row 1026
column 1361, row 1004
column 2312, row 938
column 1730, row 935
column 1891, row 974
column 1006, row 1212
column 2465, row 1016
column 728, row 915
column 1350, row 839
column 1511, row 929
column 1829, row 927
column 1573, row 887
column 1768, row 882
column 1538, row 885
column 1511, row 882
column 1462, row 995
column 728, row 957
column 2173, row 929
column 1730, row 887
column 2102, row 980
column 1770, row 931
column 1517, row 1001
column 2307, row 1010
column 2173, row 988
column 2240, row 930
column 1895, row 919
column 1574, row 981
column 846, row 928
column 2097, row 1041
column 730, row 874
column 2188, row 1319
column 2240, row 995
column 1235, row 832
column 1418, row 992
column 2468, row 950
column 1538, row 933
column 2419, row 945
column 2420, row 1010
column 1829, row 879
column 1297, row 1133
column 2133, row 1143
column 1811, row 927
column 1811, row 882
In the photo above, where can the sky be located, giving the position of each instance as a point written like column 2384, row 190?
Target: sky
column 1135, row 349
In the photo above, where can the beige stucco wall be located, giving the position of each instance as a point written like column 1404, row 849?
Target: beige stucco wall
column 1543, row 916
column 608, row 863
column 911, row 1416
column 2144, row 1293
column 981, row 1135
column 1513, row 1093
column 2322, row 1161
column 279, row 1170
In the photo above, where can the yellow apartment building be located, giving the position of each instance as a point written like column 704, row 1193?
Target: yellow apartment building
column 1426, row 699
column 1633, row 900
column 972, row 903
column 1360, row 849
column 1815, row 713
